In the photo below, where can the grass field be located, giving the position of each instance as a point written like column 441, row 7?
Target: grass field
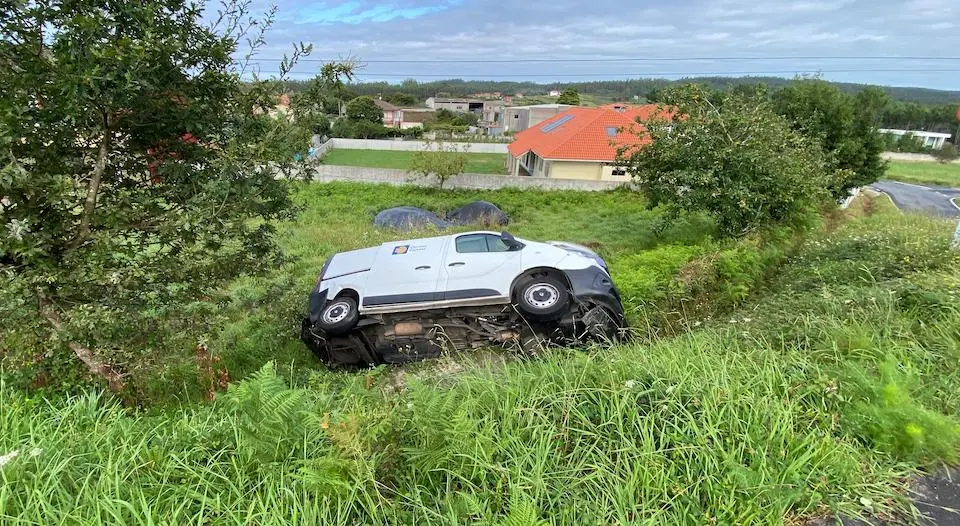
column 479, row 163
column 818, row 393
column 925, row 173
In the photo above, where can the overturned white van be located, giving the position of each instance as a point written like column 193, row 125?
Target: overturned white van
column 406, row 300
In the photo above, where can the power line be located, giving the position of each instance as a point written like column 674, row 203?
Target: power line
column 634, row 59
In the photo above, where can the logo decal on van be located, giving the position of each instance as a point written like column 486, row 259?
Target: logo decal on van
column 400, row 249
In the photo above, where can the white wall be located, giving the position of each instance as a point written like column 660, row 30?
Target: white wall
column 406, row 146
column 325, row 173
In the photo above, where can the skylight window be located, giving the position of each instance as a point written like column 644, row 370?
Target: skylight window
column 612, row 131
column 556, row 124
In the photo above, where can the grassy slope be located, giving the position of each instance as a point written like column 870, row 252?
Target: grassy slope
column 480, row 163
column 925, row 173
column 821, row 393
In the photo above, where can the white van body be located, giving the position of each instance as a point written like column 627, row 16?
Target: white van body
column 470, row 268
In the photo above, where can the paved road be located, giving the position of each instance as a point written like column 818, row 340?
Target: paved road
column 915, row 198
column 937, row 497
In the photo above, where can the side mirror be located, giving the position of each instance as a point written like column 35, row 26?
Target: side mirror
column 510, row 241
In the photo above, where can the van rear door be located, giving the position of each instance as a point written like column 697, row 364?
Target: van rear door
column 406, row 272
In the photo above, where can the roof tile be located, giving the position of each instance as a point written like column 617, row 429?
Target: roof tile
column 583, row 133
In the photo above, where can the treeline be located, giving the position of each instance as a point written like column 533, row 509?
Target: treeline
column 619, row 89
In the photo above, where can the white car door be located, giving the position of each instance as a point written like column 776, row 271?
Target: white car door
column 406, row 272
column 479, row 265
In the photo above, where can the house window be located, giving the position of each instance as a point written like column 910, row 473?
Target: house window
column 516, row 116
column 611, row 131
column 619, row 171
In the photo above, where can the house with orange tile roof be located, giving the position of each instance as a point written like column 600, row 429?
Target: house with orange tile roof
column 581, row 143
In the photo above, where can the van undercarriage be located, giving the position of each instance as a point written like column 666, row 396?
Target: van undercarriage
column 416, row 335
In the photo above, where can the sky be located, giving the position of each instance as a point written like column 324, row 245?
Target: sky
column 567, row 40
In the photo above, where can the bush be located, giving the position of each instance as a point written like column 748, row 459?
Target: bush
column 907, row 143
column 845, row 125
column 736, row 160
column 648, row 278
column 947, row 154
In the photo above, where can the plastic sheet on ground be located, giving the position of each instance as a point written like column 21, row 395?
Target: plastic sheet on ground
column 408, row 218
column 479, row 212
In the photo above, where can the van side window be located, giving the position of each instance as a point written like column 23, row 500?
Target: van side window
column 473, row 243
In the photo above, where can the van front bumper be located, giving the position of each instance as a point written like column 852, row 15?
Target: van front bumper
column 594, row 286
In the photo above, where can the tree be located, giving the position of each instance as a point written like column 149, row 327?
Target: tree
column 457, row 118
column 364, row 109
column 846, row 125
column 569, row 96
column 138, row 173
column 738, row 161
column 439, row 161
column 401, row 99
column 322, row 95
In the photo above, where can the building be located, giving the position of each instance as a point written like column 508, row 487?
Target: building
column 519, row 118
column 580, row 143
column 455, row 104
column 392, row 116
column 554, row 93
column 491, row 117
column 404, row 118
column 415, row 117
column 932, row 140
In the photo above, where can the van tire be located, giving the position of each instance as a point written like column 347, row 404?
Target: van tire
column 542, row 297
column 339, row 316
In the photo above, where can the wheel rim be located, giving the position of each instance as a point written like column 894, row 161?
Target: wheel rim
column 541, row 296
column 336, row 312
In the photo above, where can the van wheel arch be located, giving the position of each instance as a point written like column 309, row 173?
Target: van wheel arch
column 550, row 271
column 542, row 293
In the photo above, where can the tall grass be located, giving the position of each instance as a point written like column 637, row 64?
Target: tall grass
column 818, row 396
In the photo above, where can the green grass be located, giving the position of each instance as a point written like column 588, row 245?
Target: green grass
column 479, row 163
column 817, row 395
column 925, row 173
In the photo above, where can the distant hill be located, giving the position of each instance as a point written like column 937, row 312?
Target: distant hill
column 620, row 90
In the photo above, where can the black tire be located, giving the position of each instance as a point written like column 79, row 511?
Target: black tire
column 542, row 297
column 339, row 316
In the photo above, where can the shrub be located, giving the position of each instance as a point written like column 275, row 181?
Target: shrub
column 736, row 160
column 947, row 154
column 845, row 125
column 648, row 278
column 887, row 416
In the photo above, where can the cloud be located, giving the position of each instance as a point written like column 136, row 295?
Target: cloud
column 623, row 38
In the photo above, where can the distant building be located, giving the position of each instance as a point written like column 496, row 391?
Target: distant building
column 455, row 104
column 415, row 117
column 554, row 93
column 404, row 118
column 491, row 118
column 930, row 139
column 519, row 118
column 518, row 95
column 391, row 114
column 580, row 143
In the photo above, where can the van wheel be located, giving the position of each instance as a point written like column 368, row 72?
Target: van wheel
column 339, row 316
column 542, row 297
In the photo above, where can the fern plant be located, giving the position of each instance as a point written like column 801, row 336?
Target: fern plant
column 523, row 512
column 271, row 415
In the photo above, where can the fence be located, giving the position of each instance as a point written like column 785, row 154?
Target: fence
column 406, row 146
column 327, row 173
